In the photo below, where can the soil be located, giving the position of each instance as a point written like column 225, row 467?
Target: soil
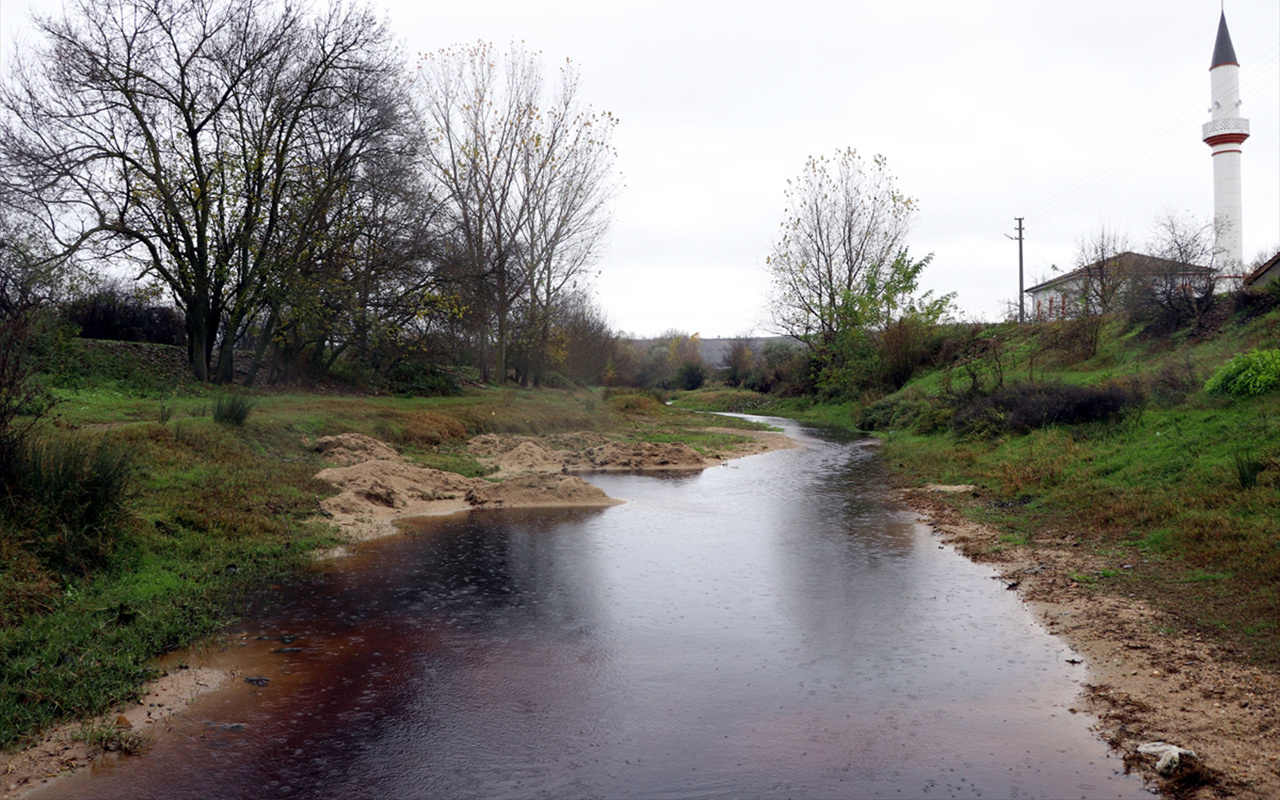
column 1145, row 683
column 59, row 752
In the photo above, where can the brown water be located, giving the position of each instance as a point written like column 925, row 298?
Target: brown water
column 774, row 628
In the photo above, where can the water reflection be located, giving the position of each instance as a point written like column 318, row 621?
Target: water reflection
column 772, row 628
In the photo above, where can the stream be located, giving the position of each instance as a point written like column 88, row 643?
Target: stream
column 776, row 627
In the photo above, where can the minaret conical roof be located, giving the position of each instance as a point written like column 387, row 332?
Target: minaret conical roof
column 1223, row 52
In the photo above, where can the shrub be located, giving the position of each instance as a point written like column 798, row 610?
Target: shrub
column 1023, row 407
column 1247, row 375
column 65, row 498
column 691, row 375
column 415, row 379
column 1171, row 384
column 28, row 341
column 1252, row 303
column 634, row 402
column 232, row 409
column 554, row 380
column 112, row 311
column 916, row 414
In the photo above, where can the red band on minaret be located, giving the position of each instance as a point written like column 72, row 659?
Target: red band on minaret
column 1226, row 138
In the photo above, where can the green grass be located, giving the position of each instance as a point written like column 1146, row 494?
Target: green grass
column 454, row 459
column 705, row 443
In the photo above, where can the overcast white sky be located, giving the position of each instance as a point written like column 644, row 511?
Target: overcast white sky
column 1071, row 114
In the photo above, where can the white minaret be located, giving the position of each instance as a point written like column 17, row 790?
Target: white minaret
column 1225, row 132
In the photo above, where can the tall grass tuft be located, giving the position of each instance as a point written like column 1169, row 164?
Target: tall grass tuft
column 232, row 409
column 1248, row 466
column 66, row 498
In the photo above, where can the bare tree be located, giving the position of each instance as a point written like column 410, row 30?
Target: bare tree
column 845, row 227
column 525, row 176
column 568, row 176
column 588, row 347
column 361, row 265
column 1178, row 285
column 177, row 135
column 1102, row 273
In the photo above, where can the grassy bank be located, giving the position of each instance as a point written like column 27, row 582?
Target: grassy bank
column 216, row 509
column 1177, row 489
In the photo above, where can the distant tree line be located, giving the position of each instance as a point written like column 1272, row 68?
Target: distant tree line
column 305, row 199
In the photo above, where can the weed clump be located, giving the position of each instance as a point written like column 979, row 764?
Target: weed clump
column 232, row 409
column 65, row 500
column 107, row 738
column 1247, row 375
column 1248, row 467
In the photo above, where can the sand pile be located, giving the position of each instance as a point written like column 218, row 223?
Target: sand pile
column 354, row 448
column 638, row 455
column 378, row 486
column 389, row 484
column 539, row 489
column 383, row 487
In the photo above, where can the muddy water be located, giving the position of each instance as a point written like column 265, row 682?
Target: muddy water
column 772, row 628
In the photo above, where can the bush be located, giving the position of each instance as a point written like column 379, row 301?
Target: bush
column 232, row 409
column 421, row 380
column 916, row 414
column 1247, row 375
column 66, row 499
column 554, row 380
column 114, row 312
column 691, row 376
column 635, row 401
column 1024, row 407
column 1171, row 384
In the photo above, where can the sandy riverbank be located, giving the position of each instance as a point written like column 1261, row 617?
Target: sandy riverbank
column 377, row 486
column 1144, row 684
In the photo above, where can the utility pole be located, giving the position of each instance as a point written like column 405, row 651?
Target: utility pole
column 1022, row 312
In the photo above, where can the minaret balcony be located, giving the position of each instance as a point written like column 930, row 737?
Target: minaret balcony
column 1229, row 130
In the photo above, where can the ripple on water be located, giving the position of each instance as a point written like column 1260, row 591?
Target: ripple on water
column 775, row 628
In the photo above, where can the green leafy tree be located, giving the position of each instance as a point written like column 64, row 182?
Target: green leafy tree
column 867, row 350
column 845, row 229
column 841, row 273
